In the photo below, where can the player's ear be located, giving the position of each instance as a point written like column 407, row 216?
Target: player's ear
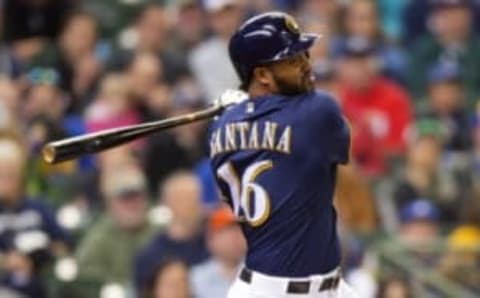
column 263, row 76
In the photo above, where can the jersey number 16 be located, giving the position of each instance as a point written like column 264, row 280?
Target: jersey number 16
column 248, row 197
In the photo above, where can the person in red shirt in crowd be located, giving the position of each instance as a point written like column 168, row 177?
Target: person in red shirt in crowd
column 378, row 109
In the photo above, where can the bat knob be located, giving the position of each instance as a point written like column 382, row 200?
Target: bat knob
column 49, row 153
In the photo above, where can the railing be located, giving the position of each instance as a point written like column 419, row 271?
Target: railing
column 426, row 280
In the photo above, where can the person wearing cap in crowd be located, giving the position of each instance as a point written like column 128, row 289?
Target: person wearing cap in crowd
column 44, row 112
column 446, row 104
column 419, row 226
column 451, row 38
column 212, row 54
column 29, row 232
column 183, row 237
column 212, row 278
column 106, row 253
column 379, row 110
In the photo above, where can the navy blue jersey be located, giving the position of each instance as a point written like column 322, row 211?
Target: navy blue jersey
column 275, row 159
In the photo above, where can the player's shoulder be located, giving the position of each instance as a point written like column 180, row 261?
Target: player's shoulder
column 318, row 103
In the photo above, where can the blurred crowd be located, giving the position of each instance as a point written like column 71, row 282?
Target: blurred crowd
column 144, row 219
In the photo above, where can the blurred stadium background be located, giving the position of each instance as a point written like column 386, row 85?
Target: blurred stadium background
column 144, row 220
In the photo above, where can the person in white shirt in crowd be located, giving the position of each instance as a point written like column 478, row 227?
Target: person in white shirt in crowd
column 212, row 278
column 209, row 61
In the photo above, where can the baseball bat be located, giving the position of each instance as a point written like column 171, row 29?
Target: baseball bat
column 74, row 147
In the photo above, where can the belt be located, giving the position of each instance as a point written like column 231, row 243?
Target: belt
column 297, row 287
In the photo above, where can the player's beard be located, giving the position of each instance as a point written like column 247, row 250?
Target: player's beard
column 289, row 88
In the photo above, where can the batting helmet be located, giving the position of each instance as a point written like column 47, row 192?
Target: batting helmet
column 265, row 38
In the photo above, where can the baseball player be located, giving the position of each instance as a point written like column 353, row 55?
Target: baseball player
column 275, row 158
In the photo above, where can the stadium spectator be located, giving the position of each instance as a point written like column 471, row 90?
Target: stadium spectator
column 212, row 278
column 170, row 280
column 44, row 98
column 43, row 118
column 361, row 19
column 416, row 19
column 184, row 235
column 419, row 230
column 25, row 19
column 378, row 109
column 224, row 16
column 29, row 233
column 152, row 30
column 29, row 27
column 89, row 182
column 462, row 253
column 395, row 287
column 107, row 252
column 462, row 257
column 114, row 17
column 446, row 104
column 425, row 175
column 75, row 59
column 328, row 12
column 451, row 39
column 189, row 27
column 113, row 107
column 144, row 73
column 80, row 66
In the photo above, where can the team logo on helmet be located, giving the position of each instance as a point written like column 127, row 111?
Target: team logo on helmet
column 292, row 24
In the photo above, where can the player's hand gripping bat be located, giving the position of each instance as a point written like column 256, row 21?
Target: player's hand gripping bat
column 74, row 147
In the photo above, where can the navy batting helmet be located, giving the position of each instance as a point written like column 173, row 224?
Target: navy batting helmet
column 265, row 38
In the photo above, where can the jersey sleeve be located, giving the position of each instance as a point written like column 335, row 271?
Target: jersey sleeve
column 332, row 128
